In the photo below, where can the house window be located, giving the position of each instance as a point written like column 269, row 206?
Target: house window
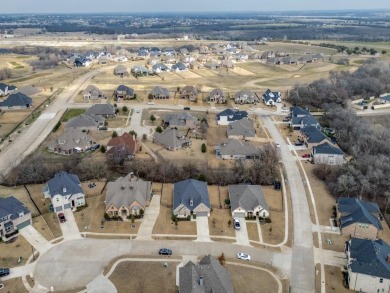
column 191, row 203
column 380, row 280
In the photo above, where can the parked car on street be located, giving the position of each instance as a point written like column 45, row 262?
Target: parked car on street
column 187, row 108
column 237, row 224
column 4, row 272
column 150, row 103
column 243, row 256
column 61, row 217
column 277, row 145
column 165, row 251
column 306, row 156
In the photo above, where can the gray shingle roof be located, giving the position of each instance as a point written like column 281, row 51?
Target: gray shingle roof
column 17, row 100
column 178, row 119
column 84, row 120
column 64, row 184
column 234, row 147
column 124, row 191
column 369, row 257
column 354, row 210
column 326, row 148
column 123, row 88
column 242, row 127
column 233, row 115
column 218, row 93
column 313, row 134
column 216, row 278
column 160, row 91
column 190, row 189
column 101, row 109
column 11, row 206
column 170, row 138
column 247, row 197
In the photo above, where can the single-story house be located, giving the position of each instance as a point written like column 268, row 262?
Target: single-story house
column 121, row 70
column 196, row 65
column 16, row 101
column 189, row 92
column 271, row 98
column 124, row 92
column 191, row 197
column 327, row 154
column 127, row 196
column 217, row 96
column 104, row 110
column 368, row 265
column 86, row 122
column 72, row 140
column 233, row 149
column 229, row 115
column 241, row 129
column 64, row 191
column 358, row 218
column 212, row 64
column 312, row 136
column 245, row 97
column 178, row 67
column 159, row 67
column 140, row 70
column 121, row 147
column 159, row 92
column 247, row 200
column 93, row 93
column 13, row 217
column 208, row 276
column 182, row 119
column 82, row 62
column 171, row 139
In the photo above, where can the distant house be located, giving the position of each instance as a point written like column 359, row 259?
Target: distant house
column 3, row 89
column 16, row 101
column 384, row 99
column 86, row 122
column 182, row 119
column 204, row 50
column 312, row 136
column 233, row 149
column 121, row 147
column 158, row 93
column 247, row 200
column 171, row 139
column 268, row 55
column 179, row 67
column 327, row 154
column 13, row 217
column 104, row 59
column 127, row 196
column 217, row 96
column 196, row 65
column 93, row 93
column 301, row 122
column 190, row 93
column 208, row 276
column 124, row 92
column 72, row 140
column 121, row 71
column 227, row 63
column 159, row 67
column 241, row 129
column 229, row 115
column 104, row 110
column 305, row 59
column 64, row 191
column 191, row 197
column 368, row 265
column 140, row 70
column 245, row 97
column 271, row 98
column 318, row 57
column 212, row 64
column 82, row 62
column 358, row 218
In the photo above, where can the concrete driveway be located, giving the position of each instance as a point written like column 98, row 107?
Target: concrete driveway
column 69, row 229
column 35, row 239
column 242, row 234
column 202, row 229
column 150, row 217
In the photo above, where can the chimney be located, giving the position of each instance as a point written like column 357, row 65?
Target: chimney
column 201, row 281
column 388, row 258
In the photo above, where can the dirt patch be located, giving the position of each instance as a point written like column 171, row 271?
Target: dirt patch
column 53, row 223
column 36, row 192
column 10, row 252
column 41, row 226
column 334, row 280
column 167, row 194
column 138, row 277
column 164, row 224
column 219, row 223
column 253, row 233
column 214, row 196
column 333, row 242
column 14, row 286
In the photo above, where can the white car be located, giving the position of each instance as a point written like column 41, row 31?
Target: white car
column 277, row 145
column 237, row 224
column 150, row 103
column 251, row 109
column 243, row 256
column 137, row 110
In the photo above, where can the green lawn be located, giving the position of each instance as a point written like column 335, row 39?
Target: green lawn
column 70, row 113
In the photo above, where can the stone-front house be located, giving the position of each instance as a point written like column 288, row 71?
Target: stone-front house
column 124, row 92
column 158, row 93
column 64, row 191
column 191, row 197
column 93, row 93
column 217, row 96
column 127, row 196
column 121, row 147
column 72, row 140
column 242, row 129
column 247, row 200
column 121, row 71
column 358, row 218
column 245, row 97
column 190, row 93
column 171, row 139
column 13, row 217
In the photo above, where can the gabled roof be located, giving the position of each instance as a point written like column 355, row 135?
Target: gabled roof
column 64, row 184
column 123, row 88
column 298, row 111
column 327, row 148
column 247, row 197
column 84, row 120
column 313, row 134
column 11, row 206
column 215, row 277
column 101, row 109
column 29, row 90
column 160, row 91
column 125, row 140
column 354, row 210
column 92, row 89
column 160, row 66
column 369, row 257
column 190, row 190
column 234, row 147
column 232, row 115
column 3, row 86
column 72, row 138
column 189, row 89
column 170, row 138
column 245, row 94
column 178, row 119
column 15, row 100
column 126, row 190
column 242, row 127
column 269, row 95
column 217, row 92
column 179, row 66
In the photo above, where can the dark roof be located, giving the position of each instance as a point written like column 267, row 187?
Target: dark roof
column 64, row 184
column 190, row 189
column 313, row 134
column 233, row 115
column 298, row 111
column 123, row 88
column 11, row 206
column 179, row 66
column 101, row 109
column 17, row 99
column 327, row 148
column 354, row 210
column 3, row 86
column 270, row 95
column 386, row 98
column 216, row 278
column 369, row 257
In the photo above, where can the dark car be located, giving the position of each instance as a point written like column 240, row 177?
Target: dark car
column 61, row 217
column 187, row 108
column 165, row 251
column 103, row 128
column 299, row 143
column 4, row 272
column 95, row 147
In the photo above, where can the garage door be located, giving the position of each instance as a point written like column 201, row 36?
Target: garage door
column 23, row 224
column 58, row 209
column 67, row 206
column 202, row 214
column 239, row 214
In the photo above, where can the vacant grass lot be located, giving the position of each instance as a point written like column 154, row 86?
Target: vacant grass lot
column 14, row 286
column 334, row 280
column 71, row 113
column 219, row 223
column 10, row 252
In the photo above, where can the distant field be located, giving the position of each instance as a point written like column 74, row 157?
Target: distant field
column 295, row 48
column 379, row 46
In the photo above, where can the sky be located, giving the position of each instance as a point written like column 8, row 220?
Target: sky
column 90, row 6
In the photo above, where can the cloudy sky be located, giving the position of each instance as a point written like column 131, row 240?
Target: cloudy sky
column 85, row 6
